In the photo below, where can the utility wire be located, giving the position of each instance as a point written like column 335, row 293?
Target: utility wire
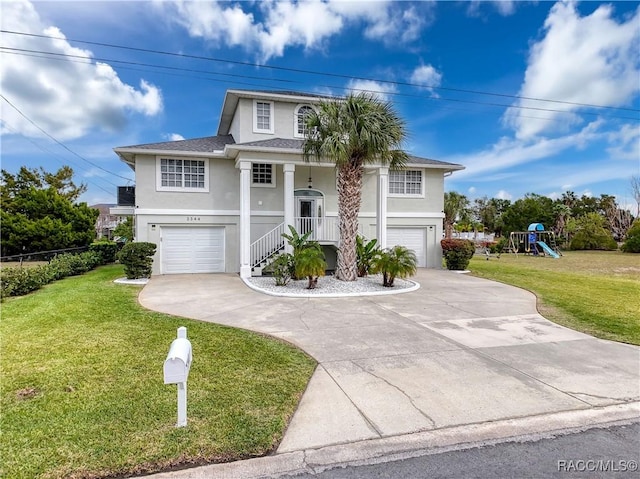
column 60, row 143
column 311, row 72
column 63, row 160
column 88, row 61
column 55, row 55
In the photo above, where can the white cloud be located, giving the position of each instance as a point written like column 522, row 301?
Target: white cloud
column 504, row 7
column 625, row 143
column 426, row 76
column 278, row 24
column 510, row 152
column 471, row 190
column 174, row 137
column 381, row 90
column 588, row 60
column 66, row 99
column 503, row 195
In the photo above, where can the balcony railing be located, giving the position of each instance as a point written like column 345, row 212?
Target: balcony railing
column 322, row 229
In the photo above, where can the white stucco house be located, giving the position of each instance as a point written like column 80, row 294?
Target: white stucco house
column 221, row 203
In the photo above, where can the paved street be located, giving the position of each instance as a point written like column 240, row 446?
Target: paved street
column 459, row 358
column 612, row 452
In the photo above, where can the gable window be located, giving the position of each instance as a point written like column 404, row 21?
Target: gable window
column 262, row 116
column 300, row 119
column 182, row 175
column 262, row 174
column 405, row 183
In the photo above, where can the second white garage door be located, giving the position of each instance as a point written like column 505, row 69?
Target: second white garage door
column 192, row 250
column 413, row 238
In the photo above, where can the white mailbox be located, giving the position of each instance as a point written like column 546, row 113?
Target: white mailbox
column 178, row 362
column 176, row 371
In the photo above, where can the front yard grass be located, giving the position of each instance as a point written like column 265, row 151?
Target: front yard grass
column 83, row 395
column 596, row 292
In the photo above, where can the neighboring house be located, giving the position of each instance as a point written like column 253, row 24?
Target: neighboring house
column 106, row 222
column 221, row 203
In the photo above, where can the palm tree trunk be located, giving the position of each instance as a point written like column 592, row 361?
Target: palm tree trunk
column 349, row 196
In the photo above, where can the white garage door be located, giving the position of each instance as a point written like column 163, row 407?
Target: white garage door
column 192, row 250
column 413, row 238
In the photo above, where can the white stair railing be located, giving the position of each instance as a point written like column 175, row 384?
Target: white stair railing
column 267, row 246
column 323, row 229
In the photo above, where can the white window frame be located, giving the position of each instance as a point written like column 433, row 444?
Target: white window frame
column 183, row 189
column 406, row 195
column 255, row 117
column 273, row 176
column 296, row 114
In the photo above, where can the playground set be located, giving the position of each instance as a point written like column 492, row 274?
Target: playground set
column 535, row 241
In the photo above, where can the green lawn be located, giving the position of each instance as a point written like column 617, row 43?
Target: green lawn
column 596, row 292
column 83, row 395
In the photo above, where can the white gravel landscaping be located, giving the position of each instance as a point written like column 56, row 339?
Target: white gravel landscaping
column 329, row 286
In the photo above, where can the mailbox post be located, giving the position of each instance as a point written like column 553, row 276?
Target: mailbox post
column 176, row 371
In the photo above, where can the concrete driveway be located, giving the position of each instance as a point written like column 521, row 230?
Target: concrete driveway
column 458, row 351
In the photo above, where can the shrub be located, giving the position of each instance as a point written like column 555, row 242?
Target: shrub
column 457, row 253
column 590, row 233
column 106, row 249
column 366, row 255
column 632, row 243
column 18, row 281
column 282, row 269
column 584, row 241
column 398, row 261
column 68, row 264
column 137, row 259
column 310, row 263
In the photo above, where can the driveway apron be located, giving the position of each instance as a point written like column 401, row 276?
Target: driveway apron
column 459, row 350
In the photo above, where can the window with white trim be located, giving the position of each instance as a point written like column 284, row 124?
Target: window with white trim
column 300, row 118
column 405, row 183
column 262, row 116
column 182, row 175
column 262, row 174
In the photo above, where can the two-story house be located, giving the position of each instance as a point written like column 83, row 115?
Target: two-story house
column 221, row 203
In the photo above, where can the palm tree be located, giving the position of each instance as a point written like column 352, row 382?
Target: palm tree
column 353, row 132
column 398, row 261
column 455, row 208
column 310, row 263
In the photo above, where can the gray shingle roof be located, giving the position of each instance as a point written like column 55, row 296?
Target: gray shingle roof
column 276, row 143
column 206, row 144
column 287, row 93
column 427, row 161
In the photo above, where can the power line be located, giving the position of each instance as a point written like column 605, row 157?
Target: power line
column 311, row 72
column 63, row 160
column 85, row 60
column 58, row 142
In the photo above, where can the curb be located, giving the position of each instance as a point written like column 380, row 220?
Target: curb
column 436, row 441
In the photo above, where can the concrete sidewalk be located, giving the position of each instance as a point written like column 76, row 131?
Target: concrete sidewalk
column 459, row 351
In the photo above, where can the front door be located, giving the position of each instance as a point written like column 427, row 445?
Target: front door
column 307, row 220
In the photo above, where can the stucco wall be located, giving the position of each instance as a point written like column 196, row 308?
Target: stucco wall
column 224, row 181
column 283, row 121
column 149, row 228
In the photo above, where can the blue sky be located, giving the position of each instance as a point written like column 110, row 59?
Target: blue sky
column 530, row 96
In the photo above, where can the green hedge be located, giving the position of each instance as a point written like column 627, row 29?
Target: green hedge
column 137, row 259
column 457, row 253
column 18, row 281
column 106, row 249
column 632, row 243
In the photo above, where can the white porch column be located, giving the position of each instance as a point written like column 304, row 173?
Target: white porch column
column 245, row 219
column 381, row 207
column 289, row 201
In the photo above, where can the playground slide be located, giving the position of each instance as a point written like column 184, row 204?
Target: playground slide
column 548, row 250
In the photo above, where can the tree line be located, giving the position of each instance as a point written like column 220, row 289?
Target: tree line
column 570, row 216
column 40, row 212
